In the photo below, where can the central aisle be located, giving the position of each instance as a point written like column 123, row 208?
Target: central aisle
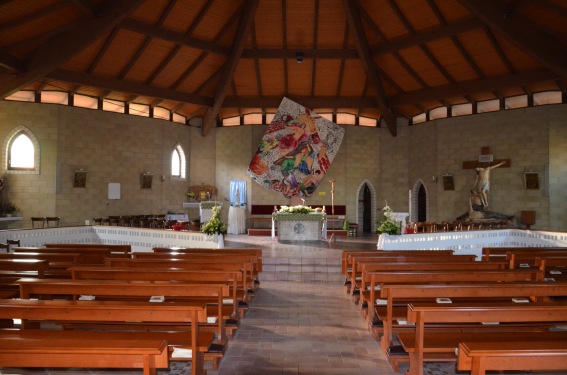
column 303, row 328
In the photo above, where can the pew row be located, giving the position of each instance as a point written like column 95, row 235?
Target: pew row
column 110, row 311
column 398, row 296
column 423, row 341
column 34, row 348
column 479, row 357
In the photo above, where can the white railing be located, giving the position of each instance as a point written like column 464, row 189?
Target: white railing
column 139, row 238
column 472, row 242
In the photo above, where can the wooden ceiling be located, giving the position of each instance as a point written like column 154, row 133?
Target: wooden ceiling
column 215, row 59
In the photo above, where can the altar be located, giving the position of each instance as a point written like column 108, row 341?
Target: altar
column 299, row 227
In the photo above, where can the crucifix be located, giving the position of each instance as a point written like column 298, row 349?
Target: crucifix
column 483, row 167
column 332, row 181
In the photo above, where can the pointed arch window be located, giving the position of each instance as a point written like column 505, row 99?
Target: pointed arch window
column 178, row 162
column 21, row 153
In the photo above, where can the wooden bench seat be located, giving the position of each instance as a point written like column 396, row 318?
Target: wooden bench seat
column 234, row 257
column 91, row 256
column 367, row 268
column 396, row 294
column 420, row 342
column 82, row 350
column 479, row 357
column 372, row 280
column 498, row 253
column 16, row 266
column 255, row 252
column 112, row 311
column 240, row 264
column 234, row 278
column 115, row 249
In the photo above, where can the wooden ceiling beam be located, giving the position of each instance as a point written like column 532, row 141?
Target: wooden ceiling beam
column 424, row 37
column 320, row 54
column 488, row 84
column 12, row 63
column 59, row 49
column 242, row 33
column 135, row 88
column 355, row 24
column 521, row 32
column 170, row 36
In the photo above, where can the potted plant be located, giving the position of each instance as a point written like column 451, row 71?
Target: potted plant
column 9, row 209
column 388, row 224
column 215, row 226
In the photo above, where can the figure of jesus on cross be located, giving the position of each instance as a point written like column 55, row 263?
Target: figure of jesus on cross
column 482, row 183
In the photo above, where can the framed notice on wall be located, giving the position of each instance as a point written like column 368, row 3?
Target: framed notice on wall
column 113, row 190
column 80, row 179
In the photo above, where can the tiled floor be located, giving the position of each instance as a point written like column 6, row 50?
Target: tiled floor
column 294, row 327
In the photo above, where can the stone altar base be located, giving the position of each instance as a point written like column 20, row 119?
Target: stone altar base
column 297, row 230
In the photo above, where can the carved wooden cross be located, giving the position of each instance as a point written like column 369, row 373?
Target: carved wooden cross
column 473, row 164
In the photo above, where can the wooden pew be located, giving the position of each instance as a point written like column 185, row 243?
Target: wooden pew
column 356, row 263
column 348, row 255
column 24, row 267
column 225, row 257
column 56, row 260
column 34, row 348
column 223, row 263
column 234, row 278
column 420, row 342
column 498, row 253
column 172, row 291
column 365, row 296
column 88, row 255
column 110, row 311
column 245, row 251
column 115, row 249
column 479, row 357
column 394, row 293
column 374, row 279
column 528, row 259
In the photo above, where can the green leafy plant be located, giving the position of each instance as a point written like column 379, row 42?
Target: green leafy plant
column 388, row 224
column 215, row 224
column 296, row 209
column 8, row 208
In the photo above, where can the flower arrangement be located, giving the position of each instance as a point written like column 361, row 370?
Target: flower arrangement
column 8, row 208
column 190, row 195
column 388, row 224
column 214, row 225
column 296, row 209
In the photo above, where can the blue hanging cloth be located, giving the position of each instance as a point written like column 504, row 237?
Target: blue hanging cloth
column 238, row 193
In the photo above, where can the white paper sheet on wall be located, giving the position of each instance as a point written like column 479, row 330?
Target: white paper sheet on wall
column 113, row 190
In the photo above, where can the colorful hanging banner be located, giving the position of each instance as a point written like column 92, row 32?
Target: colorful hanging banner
column 296, row 151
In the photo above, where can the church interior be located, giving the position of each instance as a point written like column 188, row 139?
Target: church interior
column 297, row 128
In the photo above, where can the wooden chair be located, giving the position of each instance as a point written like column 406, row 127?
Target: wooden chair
column 40, row 221
column 12, row 242
column 54, row 220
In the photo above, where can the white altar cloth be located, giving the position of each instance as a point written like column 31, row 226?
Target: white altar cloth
column 236, row 220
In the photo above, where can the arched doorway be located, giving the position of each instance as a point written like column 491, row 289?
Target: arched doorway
column 367, row 210
column 366, row 207
column 421, row 204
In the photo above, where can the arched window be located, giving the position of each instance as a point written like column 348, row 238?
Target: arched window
column 22, row 152
column 178, row 162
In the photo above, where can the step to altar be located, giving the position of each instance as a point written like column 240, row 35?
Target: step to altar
column 268, row 232
column 301, row 269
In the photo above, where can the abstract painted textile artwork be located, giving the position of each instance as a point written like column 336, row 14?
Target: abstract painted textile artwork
column 296, row 151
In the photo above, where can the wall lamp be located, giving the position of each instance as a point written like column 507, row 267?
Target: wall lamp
column 299, row 57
